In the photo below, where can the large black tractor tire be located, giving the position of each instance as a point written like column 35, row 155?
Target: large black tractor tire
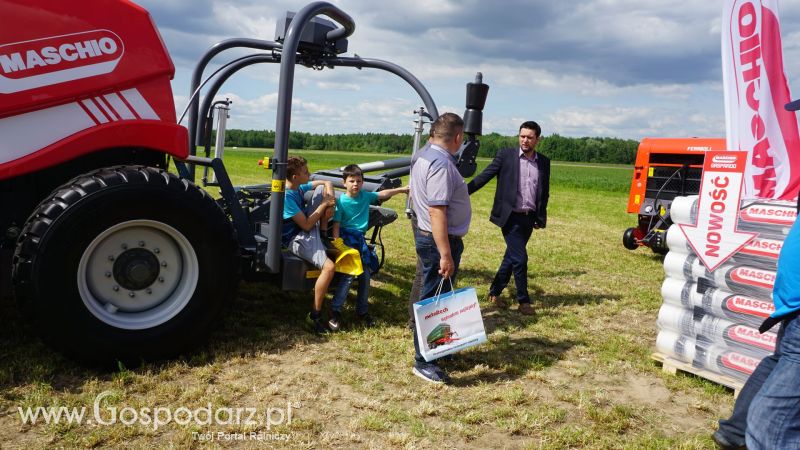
column 126, row 263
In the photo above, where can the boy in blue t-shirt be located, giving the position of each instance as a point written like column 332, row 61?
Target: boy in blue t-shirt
column 301, row 228
column 350, row 222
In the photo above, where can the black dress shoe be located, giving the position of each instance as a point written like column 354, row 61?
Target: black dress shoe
column 724, row 444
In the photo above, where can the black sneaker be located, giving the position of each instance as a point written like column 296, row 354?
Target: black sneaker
column 366, row 320
column 335, row 322
column 317, row 326
column 430, row 373
column 724, row 443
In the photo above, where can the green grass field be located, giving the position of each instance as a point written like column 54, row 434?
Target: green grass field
column 579, row 375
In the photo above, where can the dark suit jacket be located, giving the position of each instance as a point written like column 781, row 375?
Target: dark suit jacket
column 505, row 167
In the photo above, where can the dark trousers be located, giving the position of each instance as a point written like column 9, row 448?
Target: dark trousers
column 733, row 429
column 773, row 420
column 428, row 257
column 416, row 284
column 516, row 232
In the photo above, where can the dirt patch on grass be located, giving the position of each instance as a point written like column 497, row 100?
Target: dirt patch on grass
column 338, row 400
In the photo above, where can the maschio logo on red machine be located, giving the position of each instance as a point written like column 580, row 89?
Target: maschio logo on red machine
column 751, row 306
column 751, row 336
column 58, row 59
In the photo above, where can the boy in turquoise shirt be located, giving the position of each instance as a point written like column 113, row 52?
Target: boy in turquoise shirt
column 350, row 222
column 301, row 228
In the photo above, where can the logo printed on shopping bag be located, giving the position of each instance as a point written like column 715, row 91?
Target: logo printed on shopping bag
column 436, row 313
column 448, row 323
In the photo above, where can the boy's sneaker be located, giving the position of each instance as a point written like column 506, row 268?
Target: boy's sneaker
column 335, row 323
column 317, row 326
column 366, row 320
column 430, row 373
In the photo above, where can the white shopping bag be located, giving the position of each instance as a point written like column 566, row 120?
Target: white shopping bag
column 448, row 323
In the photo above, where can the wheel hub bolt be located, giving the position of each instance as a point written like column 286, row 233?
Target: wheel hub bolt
column 156, row 250
column 115, row 288
column 110, row 257
column 108, row 274
column 131, row 294
column 124, row 246
column 141, row 243
column 163, row 264
column 149, row 291
column 160, row 279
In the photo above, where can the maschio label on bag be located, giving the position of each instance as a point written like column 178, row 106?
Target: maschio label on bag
column 753, row 276
column 739, row 362
column 746, row 305
column 770, row 214
column 750, row 336
column 768, row 248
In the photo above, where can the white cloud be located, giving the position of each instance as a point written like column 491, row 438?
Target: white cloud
column 338, row 86
column 632, row 122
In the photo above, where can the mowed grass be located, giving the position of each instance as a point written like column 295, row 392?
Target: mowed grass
column 577, row 376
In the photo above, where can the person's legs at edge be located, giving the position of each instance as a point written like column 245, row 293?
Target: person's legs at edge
column 773, row 420
column 731, row 432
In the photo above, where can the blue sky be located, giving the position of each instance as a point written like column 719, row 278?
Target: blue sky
column 618, row 68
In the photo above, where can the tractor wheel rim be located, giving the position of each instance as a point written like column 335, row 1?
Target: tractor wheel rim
column 138, row 274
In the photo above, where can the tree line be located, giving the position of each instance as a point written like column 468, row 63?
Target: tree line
column 559, row 148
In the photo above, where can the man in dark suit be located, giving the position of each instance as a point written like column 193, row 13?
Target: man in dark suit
column 520, row 205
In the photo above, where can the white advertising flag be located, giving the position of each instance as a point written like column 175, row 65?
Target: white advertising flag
column 755, row 93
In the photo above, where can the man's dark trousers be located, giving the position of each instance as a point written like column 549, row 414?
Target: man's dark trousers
column 516, row 232
column 429, row 257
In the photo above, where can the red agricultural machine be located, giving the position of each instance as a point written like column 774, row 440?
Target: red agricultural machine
column 664, row 169
column 111, row 254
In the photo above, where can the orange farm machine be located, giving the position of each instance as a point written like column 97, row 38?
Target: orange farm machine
column 665, row 168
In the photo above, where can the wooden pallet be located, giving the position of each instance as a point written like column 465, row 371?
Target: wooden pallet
column 672, row 365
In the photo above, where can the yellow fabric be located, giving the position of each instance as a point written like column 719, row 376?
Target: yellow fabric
column 349, row 260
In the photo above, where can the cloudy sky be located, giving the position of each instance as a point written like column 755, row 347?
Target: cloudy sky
column 620, row 68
